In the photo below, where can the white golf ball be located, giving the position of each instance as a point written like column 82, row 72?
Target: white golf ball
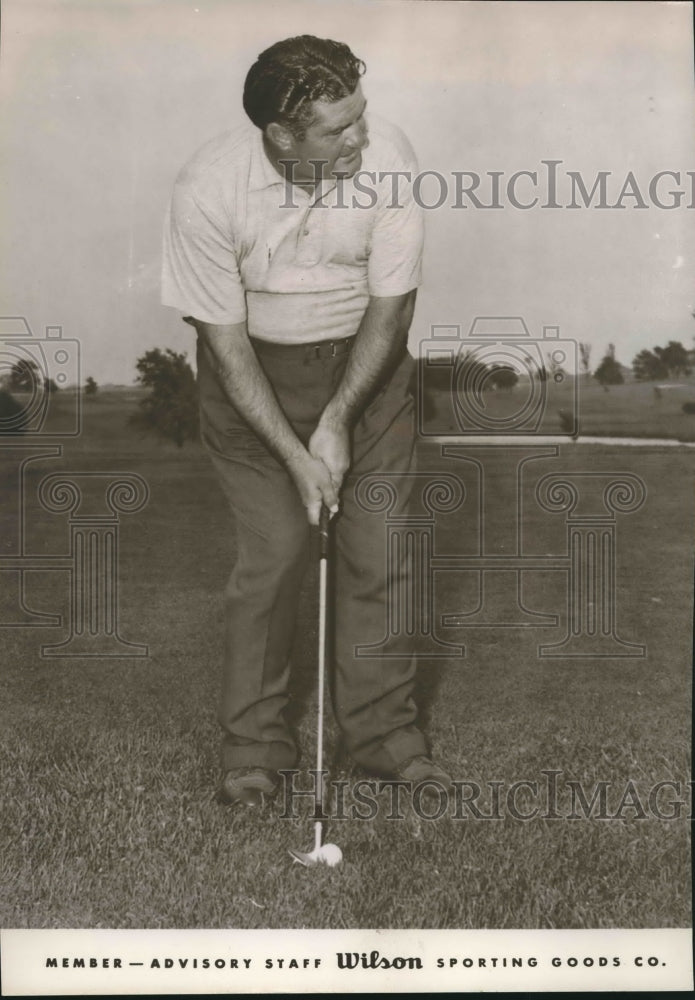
column 331, row 855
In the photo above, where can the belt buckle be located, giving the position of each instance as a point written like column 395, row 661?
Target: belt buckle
column 318, row 348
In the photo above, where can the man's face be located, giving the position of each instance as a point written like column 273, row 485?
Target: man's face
column 337, row 136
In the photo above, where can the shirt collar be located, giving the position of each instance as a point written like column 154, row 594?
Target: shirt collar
column 263, row 174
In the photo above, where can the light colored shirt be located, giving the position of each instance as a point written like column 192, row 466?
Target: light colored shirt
column 240, row 244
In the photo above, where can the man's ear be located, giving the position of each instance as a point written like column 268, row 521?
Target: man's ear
column 279, row 136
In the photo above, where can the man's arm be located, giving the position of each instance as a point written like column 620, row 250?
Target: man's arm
column 378, row 348
column 250, row 392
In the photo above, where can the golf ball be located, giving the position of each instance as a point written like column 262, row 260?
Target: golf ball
column 331, row 855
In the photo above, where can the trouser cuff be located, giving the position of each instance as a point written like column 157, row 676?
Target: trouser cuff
column 388, row 754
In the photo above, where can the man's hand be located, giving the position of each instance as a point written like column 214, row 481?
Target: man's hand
column 315, row 485
column 330, row 443
column 249, row 390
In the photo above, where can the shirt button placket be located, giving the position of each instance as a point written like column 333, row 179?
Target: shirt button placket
column 309, row 248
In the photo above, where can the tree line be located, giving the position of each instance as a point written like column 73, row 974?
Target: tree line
column 26, row 376
column 672, row 361
column 171, row 407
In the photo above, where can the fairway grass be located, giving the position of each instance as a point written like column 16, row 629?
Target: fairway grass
column 635, row 409
column 109, row 767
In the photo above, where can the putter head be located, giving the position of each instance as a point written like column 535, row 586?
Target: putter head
column 327, row 854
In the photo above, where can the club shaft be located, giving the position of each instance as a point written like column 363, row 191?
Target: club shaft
column 323, row 581
column 324, row 524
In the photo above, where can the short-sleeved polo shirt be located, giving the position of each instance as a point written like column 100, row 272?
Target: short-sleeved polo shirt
column 241, row 244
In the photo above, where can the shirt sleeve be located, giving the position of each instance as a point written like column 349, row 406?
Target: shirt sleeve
column 200, row 273
column 395, row 259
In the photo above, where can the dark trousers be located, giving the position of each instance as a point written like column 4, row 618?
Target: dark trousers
column 372, row 697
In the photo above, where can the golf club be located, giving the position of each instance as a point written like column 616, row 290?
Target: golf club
column 327, row 854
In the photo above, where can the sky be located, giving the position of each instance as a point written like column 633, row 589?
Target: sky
column 104, row 100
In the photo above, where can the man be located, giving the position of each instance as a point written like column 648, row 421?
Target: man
column 301, row 285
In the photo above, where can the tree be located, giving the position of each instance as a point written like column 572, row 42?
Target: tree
column 674, row 357
column 648, row 367
column 471, row 375
column 90, row 386
column 11, row 413
column 470, row 371
column 171, row 408
column 609, row 371
column 502, row 377
column 671, row 361
column 585, row 358
column 24, row 376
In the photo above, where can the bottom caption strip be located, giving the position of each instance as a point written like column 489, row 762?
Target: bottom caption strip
column 128, row 962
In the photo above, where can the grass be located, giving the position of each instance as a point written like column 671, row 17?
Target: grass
column 634, row 409
column 109, row 768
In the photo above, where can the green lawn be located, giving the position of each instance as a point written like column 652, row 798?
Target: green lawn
column 109, row 767
column 635, row 409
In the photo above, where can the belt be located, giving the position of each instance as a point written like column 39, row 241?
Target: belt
column 303, row 352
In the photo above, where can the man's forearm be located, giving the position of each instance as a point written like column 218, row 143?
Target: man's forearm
column 250, row 392
column 379, row 346
column 248, row 388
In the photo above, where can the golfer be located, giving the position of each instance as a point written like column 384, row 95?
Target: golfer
column 293, row 246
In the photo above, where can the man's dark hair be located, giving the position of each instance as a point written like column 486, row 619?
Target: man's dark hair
column 286, row 78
